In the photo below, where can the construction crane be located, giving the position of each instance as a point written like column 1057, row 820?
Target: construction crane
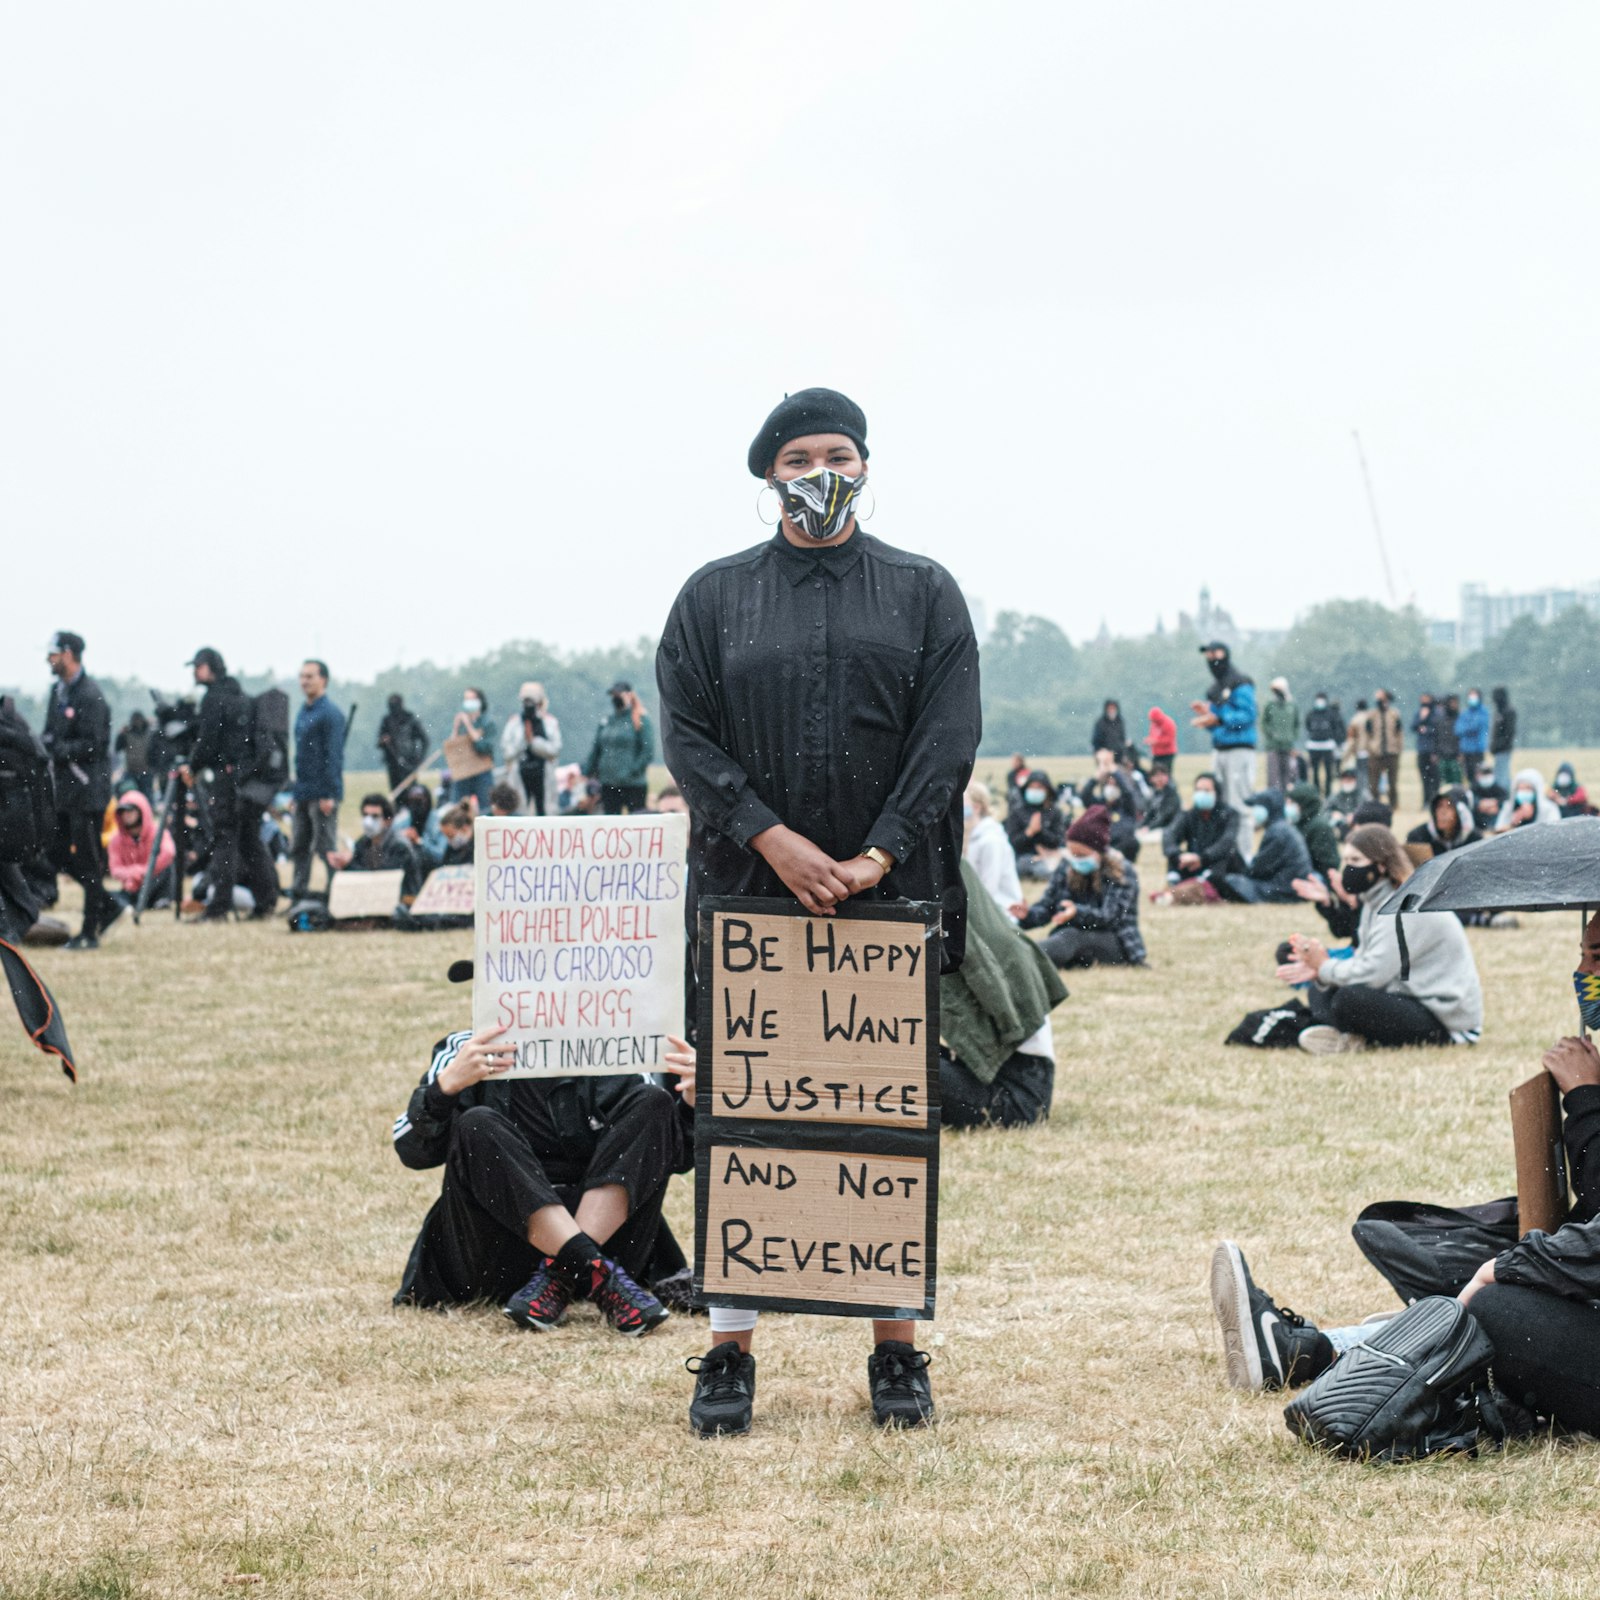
column 1377, row 526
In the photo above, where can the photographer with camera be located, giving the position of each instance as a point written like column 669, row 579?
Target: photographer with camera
column 77, row 735
column 223, row 753
column 528, row 750
column 620, row 757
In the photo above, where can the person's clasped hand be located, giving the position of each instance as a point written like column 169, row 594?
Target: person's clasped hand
column 809, row 873
column 1572, row 1062
column 1309, row 954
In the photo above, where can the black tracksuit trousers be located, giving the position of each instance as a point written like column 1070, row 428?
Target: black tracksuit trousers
column 474, row 1244
column 76, row 851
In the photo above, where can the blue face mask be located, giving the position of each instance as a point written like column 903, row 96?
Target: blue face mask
column 1083, row 864
column 1525, row 797
column 1035, row 797
column 1291, row 811
column 1204, row 800
column 1260, row 813
column 1588, row 986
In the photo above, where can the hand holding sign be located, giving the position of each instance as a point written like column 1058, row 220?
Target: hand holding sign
column 482, row 1056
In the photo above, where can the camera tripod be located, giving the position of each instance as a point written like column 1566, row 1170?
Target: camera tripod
column 174, row 810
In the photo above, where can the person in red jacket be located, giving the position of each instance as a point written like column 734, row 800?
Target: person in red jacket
column 1162, row 738
column 129, row 852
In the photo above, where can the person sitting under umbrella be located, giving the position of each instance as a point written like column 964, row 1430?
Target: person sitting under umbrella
column 1380, row 995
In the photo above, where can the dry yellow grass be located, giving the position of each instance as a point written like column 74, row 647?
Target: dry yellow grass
column 202, row 1380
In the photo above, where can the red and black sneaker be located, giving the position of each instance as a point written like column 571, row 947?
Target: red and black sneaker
column 541, row 1302
column 629, row 1309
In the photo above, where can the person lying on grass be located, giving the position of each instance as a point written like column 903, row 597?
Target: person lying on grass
column 552, row 1186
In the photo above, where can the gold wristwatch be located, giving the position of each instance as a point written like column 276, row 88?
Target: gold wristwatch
column 882, row 857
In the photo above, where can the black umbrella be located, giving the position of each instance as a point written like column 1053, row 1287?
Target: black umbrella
column 1553, row 866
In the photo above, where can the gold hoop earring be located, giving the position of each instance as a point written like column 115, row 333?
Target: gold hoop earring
column 767, row 488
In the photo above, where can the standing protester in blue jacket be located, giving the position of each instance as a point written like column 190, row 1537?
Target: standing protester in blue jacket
column 1472, row 728
column 77, row 736
column 1229, row 712
column 318, row 777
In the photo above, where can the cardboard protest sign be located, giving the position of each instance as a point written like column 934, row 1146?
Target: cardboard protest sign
column 1541, row 1155
column 578, row 939
column 463, row 761
column 364, row 894
column 817, row 1108
column 447, row 893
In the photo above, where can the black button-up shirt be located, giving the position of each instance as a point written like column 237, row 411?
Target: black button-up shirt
column 832, row 690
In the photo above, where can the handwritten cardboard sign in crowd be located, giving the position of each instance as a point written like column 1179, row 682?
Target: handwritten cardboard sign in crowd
column 817, row 1108
column 447, row 893
column 579, row 940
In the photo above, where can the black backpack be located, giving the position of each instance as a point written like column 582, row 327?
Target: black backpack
column 27, row 788
column 1419, row 1385
column 266, row 770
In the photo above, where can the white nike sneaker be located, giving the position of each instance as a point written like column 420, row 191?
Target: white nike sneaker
column 1267, row 1346
column 1321, row 1040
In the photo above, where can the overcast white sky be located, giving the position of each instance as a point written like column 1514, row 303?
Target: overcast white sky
column 391, row 331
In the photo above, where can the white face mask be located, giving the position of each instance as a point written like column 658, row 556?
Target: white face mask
column 472, row 707
column 373, row 826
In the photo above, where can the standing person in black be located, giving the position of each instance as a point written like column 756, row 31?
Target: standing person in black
column 1502, row 735
column 403, row 741
column 1425, row 728
column 77, row 735
column 1324, row 730
column 1110, row 733
column 820, row 713
column 222, row 755
column 135, row 744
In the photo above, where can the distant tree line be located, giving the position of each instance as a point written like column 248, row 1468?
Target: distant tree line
column 1041, row 693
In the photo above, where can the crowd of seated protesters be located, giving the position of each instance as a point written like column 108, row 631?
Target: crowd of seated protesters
column 1036, row 825
column 381, row 848
column 1535, row 1294
column 1377, row 995
column 987, row 849
column 997, row 1060
column 1091, row 903
column 1268, row 877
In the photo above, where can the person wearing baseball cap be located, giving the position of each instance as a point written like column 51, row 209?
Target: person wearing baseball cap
column 820, row 714
column 77, row 735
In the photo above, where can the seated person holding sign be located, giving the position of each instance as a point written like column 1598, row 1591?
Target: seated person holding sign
column 552, row 1186
column 381, row 848
column 1537, row 1296
column 820, row 712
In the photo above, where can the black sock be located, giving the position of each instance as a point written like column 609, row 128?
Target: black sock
column 580, row 1265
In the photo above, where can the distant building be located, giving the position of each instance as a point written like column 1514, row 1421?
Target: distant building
column 1483, row 615
column 1209, row 621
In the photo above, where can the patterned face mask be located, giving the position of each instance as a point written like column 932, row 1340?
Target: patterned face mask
column 1588, row 986
column 820, row 503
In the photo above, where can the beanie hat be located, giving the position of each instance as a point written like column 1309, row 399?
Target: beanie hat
column 809, row 411
column 1093, row 829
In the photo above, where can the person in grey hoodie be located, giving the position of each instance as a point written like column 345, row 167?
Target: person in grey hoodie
column 1381, row 995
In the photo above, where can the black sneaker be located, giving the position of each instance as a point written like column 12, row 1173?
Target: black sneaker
column 1267, row 1345
column 632, row 1311
column 724, row 1390
column 541, row 1302
column 897, row 1374
column 82, row 941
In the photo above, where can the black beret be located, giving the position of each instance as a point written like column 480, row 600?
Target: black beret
column 809, row 411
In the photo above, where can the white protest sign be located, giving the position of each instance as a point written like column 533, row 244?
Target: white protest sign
column 364, row 894
column 578, row 940
column 448, row 892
